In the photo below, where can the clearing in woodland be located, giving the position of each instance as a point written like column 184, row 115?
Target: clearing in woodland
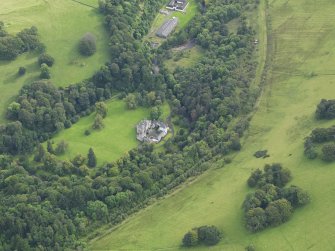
column 302, row 72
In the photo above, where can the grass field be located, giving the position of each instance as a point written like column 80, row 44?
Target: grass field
column 113, row 141
column 304, row 41
column 61, row 23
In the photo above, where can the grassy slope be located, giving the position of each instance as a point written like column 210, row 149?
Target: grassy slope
column 304, row 38
column 110, row 143
column 61, row 23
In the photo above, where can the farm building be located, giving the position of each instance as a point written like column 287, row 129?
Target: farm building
column 151, row 131
column 165, row 30
column 178, row 5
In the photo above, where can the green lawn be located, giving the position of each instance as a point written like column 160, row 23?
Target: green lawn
column 110, row 143
column 304, row 42
column 113, row 141
column 61, row 23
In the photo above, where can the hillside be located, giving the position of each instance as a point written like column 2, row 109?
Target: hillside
column 302, row 36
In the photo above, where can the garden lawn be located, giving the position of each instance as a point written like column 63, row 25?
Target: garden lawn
column 112, row 142
column 302, row 73
column 61, row 24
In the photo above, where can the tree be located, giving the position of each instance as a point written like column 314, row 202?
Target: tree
column 278, row 212
column 256, row 219
column 97, row 210
column 131, row 101
column 91, row 158
column 98, row 122
column 21, row 71
column 61, row 147
column 155, row 113
column 40, row 153
column 190, row 238
column 45, row 72
column 45, row 58
column 328, row 152
column 101, row 109
column 254, row 178
column 209, row 235
column 87, row 44
column 50, row 147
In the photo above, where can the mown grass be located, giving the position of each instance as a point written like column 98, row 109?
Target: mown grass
column 110, row 143
column 304, row 35
column 114, row 140
column 61, row 23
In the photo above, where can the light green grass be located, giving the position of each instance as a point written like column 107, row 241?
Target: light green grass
column 304, row 36
column 110, row 143
column 61, row 24
column 187, row 58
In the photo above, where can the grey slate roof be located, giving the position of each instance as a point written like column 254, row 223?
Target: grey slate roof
column 168, row 26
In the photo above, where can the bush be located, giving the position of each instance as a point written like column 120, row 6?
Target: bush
column 87, row 44
column 209, row 235
column 46, row 59
column 45, row 72
column 190, row 238
column 328, row 152
column 21, row 71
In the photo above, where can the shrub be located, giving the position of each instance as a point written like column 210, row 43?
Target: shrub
column 87, row 44
column 45, row 72
column 190, row 238
column 46, row 59
column 21, row 71
column 209, row 235
column 328, row 152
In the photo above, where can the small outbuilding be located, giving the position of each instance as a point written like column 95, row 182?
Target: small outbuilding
column 151, row 131
column 177, row 5
column 168, row 26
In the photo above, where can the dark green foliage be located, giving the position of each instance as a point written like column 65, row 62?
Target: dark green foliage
column 208, row 235
column 91, row 158
column 273, row 174
column 325, row 109
column 101, row 109
column 87, row 44
column 21, row 71
column 45, row 72
column 98, row 123
column 155, row 113
column 190, row 238
column 50, row 147
column 46, row 59
column 61, row 147
column 320, row 136
column 12, row 46
column 261, row 153
column 40, row 153
column 272, row 204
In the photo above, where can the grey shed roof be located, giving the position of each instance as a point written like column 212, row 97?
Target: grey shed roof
column 166, row 29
